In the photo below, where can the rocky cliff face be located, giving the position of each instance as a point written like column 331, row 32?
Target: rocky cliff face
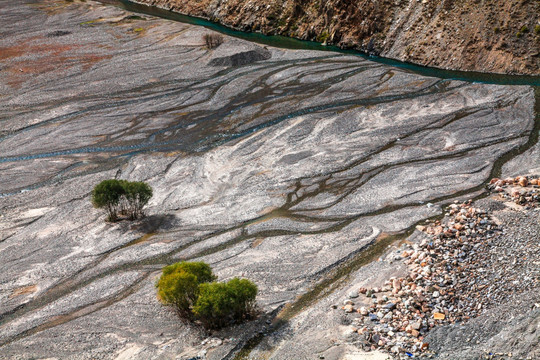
column 479, row 35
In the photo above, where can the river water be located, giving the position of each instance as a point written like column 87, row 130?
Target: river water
column 291, row 43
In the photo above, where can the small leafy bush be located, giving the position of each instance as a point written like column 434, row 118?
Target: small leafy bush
column 537, row 29
column 201, row 270
column 244, row 294
column 179, row 289
column 323, row 36
column 137, row 194
column 212, row 41
column 191, row 288
column 221, row 303
column 121, row 197
column 108, row 194
column 179, row 284
column 214, row 304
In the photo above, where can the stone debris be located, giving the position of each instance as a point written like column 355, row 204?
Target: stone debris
column 462, row 268
column 521, row 190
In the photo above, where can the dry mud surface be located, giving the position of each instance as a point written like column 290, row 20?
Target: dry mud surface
column 283, row 169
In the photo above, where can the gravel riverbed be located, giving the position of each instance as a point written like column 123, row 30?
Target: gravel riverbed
column 480, row 257
column 284, row 168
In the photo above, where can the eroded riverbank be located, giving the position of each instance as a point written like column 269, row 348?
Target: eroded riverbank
column 488, row 37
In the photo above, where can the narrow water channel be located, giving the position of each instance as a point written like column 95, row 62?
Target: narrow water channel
column 336, row 277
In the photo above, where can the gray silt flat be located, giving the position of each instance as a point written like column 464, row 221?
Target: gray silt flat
column 276, row 170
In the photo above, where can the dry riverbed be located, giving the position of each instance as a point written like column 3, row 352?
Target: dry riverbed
column 291, row 168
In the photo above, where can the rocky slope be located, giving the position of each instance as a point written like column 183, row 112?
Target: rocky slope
column 487, row 35
column 480, row 259
column 407, row 311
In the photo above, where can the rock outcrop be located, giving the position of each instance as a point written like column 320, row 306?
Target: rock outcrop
column 486, row 36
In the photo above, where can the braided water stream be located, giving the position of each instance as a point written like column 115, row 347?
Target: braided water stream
column 338, row 275
column 210, row 136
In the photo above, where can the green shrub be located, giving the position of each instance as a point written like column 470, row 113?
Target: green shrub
column 214, row 305
column 137, row 194
column 121, row 197
column 190, row 288
column 179, row 289
column 524, row 29
column 219, row 303
column 537, row 29
column 179, row 284
column 244, row 292
column 201, row 270
column 497, row 30
column 108, row 194
column 519, row 34
column 323, row 36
